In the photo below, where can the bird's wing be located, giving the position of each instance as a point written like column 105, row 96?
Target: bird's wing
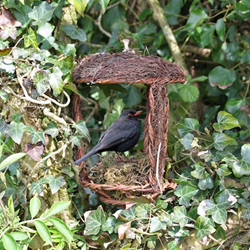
column 117, row 133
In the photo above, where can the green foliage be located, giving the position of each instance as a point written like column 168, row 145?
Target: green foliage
column 208, row 140
column 17, row 234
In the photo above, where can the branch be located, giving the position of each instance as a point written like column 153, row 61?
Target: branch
column 196, row 50
column 168, row 33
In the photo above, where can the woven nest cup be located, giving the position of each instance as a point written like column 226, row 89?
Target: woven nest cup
column 153, row 71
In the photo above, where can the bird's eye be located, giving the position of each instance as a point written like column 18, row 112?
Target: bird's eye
column 129, row 114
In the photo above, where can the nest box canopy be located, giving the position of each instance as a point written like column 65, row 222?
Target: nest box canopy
column 127, row 67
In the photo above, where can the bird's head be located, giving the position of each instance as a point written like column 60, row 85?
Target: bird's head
column 130, row 113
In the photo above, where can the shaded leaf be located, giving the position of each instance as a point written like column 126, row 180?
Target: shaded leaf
column 196, row 18
column 221, row 77
column 220, row 28
column 104, row 4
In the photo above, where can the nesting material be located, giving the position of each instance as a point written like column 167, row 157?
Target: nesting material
column 156, row 73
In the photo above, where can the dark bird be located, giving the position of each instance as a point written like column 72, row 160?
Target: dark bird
column 121, row 136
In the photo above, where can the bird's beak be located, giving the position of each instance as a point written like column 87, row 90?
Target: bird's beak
column 138, row 113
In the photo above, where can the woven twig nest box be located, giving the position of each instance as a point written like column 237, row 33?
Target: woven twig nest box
column 156, row 73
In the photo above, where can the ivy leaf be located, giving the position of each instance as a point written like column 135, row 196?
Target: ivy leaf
column 74, row 33
column 186, row 193
column 41, row 81
column 187, row 125
column 241, row 168
column 204, row 226
column 225, row 121
column 35, row 136
column 223, row 170
column 157, row 225
column 38, row 186
column 81, row 127
column 15, row 131
column 142, row 210
column 220, row 28
column 80, row 5
column 77, row 140
column 221, row 141
column 94, row 222
column 3, row 95
column 206, row 183
column 187, row 141
column 199, row 172
column 42, row 13
column 56, row 81
column 129, row 214
column 55, row 183
column 218, row 211
column 52, row 130
column 189, row 93
column 109, row 225
column 196, row 18
column 221, row 77
column 180, row 215
column 30, row 39
column 220, row 233
column 245, row 152
column 104, row 4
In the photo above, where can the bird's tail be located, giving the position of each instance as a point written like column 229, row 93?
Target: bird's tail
column 90, row 153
